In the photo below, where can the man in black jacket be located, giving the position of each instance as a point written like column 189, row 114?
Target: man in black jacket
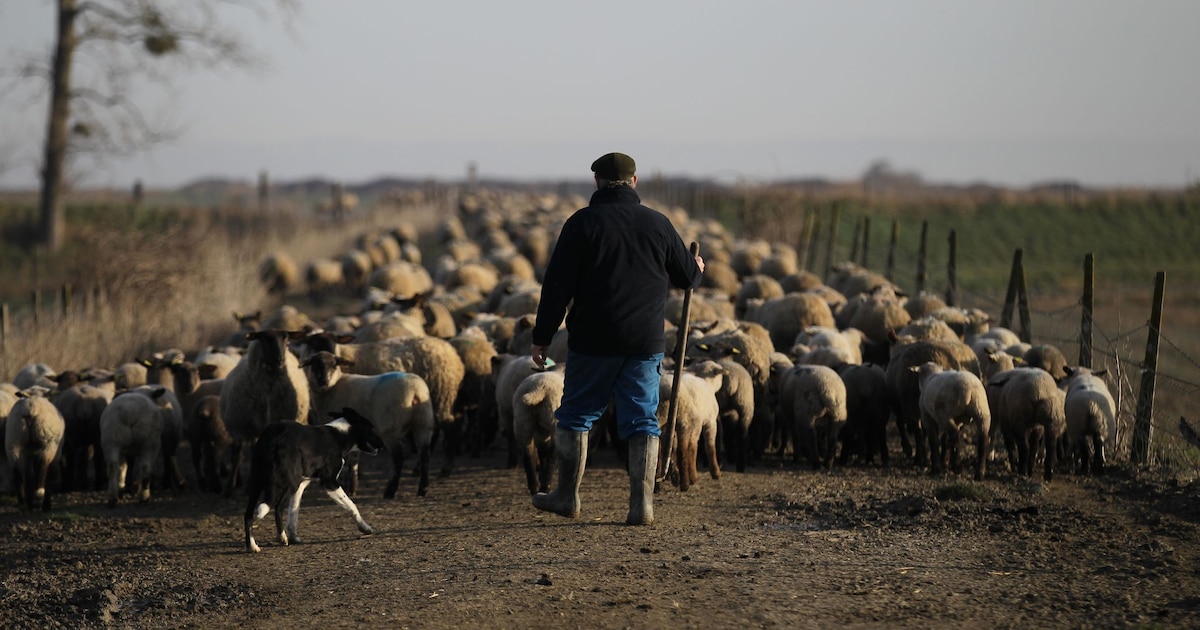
column 614, row 263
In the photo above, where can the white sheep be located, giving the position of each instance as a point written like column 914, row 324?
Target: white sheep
column 1091, row 415
column 812, row 403
column 356, row 269
column 131, row 428
column 787, row 316
column 402, row 278
column 278, row 273
column 172, row 414
column 696, row 416
column 398, row 403
column 534, row 402
column 951, row 400
column 735, row 398
column 323, row 276
column 33, row 437
column 35, row 375
column 267, row 385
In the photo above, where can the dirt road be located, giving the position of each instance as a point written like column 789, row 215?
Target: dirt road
column 776, row 546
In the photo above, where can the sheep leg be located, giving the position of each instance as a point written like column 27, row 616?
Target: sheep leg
column 145, row 471
column 710, row 447
column 902, row 428
column 982, row 446
column 1051, row 446
column 236, row 455
column 423, row 467
column 336, row 493
column 529, row 462
column 1098, row 444
column 293, row 514
column 397, row 452
column 810, row 446
column 43, row 473
column 545, row 468
column 116, row 476
column 690, row 451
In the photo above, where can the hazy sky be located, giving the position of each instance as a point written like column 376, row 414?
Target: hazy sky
column 1005, row 91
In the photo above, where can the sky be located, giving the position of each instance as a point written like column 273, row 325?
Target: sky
column 1009, row 92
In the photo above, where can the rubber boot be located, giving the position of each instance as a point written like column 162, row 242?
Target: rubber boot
column 643, row 465
column 570, row 448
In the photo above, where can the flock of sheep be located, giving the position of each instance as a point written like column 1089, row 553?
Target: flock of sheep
column 778, row 362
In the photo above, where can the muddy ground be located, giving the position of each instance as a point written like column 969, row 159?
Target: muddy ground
column 776, row 546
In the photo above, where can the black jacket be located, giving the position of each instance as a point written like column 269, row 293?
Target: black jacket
column 617, row 260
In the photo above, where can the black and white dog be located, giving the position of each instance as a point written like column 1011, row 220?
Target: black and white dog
column 288, row 456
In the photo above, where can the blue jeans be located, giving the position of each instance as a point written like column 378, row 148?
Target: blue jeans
column 632, row 382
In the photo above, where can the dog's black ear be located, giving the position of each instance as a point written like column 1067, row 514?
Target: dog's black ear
column 349, row 413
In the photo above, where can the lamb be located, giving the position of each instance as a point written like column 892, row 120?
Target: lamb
column 1029, row 407
column 131, row 427
column 398, row 401
column 735, row 398
column 208, row 438
column 904, row 386
column 172, row 432
column 289, row 455
column 81, row 407
column 868, row 408
column 950, row 400
column 812, row 403
column 1091, row 415
column 508, row 371
column 535, row 400
column 266, row 386
column 33, row 437
column 696, row 414
column 476, row 396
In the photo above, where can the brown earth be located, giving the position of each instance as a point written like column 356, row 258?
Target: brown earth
column 774, row 546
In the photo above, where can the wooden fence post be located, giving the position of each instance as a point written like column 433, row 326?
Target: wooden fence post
column 813, row 241
column 1010, row 297
column 1143, row 427
column 921, row 256
column 833, row 230
column 866, row 240
column 806, row 236
column 37, row 307
column 66, row 300
column 952, row 271
column 1026, row 332
column 892, row 245
column 264, row 192
column 1088, row 303
column 4, row 328
column 854, row 243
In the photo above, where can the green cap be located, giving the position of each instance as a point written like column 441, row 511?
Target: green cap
column 614, row 166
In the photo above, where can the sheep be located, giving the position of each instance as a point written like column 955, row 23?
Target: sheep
column 278, row 273
column 356, row 269
column 290, row 455
column 509, row 286
column 33, row 437
column 696, row 414
column 129, row 375
column 747, row 346
column 1028, row 406
column 847, row 343
column 434, row 360
column 476, row 396
column 923, row 304
column 172, row 432
column 950, row 400
column 1005, row 337
column 720, row 276
column 392, row 326
column 785, row 317
column 868, row 408
column 402, row 278
column 878, row 317
column 534, row 402
column 735, row 399
column 212, row 363
column 323, row 276
column 399, row 402
column 1091, row 415
column 747, row 257
column 969, row 323
column 35, row 375
column 81, row 407
column 8, row 398
column 799, row 280
column 755, row 287
column 371, row 357
column 508, row 371
column 266, row 386
column 904, row 387
column 208, row 438
column 1047, row 357
column 928, row 327
column 286, row 317
column 812, row 403
column 131, row 427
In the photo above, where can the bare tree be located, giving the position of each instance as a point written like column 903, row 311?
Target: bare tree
column 102, row 49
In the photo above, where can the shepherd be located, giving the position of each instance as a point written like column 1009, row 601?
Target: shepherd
column 613, row 264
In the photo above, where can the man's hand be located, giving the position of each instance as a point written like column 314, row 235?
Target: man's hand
column 539, row 356
column 700, row 263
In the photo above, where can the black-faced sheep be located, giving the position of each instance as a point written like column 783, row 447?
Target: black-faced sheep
column 267, row 386
column 399, row 402
column 951, row 400
column 33, row 437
